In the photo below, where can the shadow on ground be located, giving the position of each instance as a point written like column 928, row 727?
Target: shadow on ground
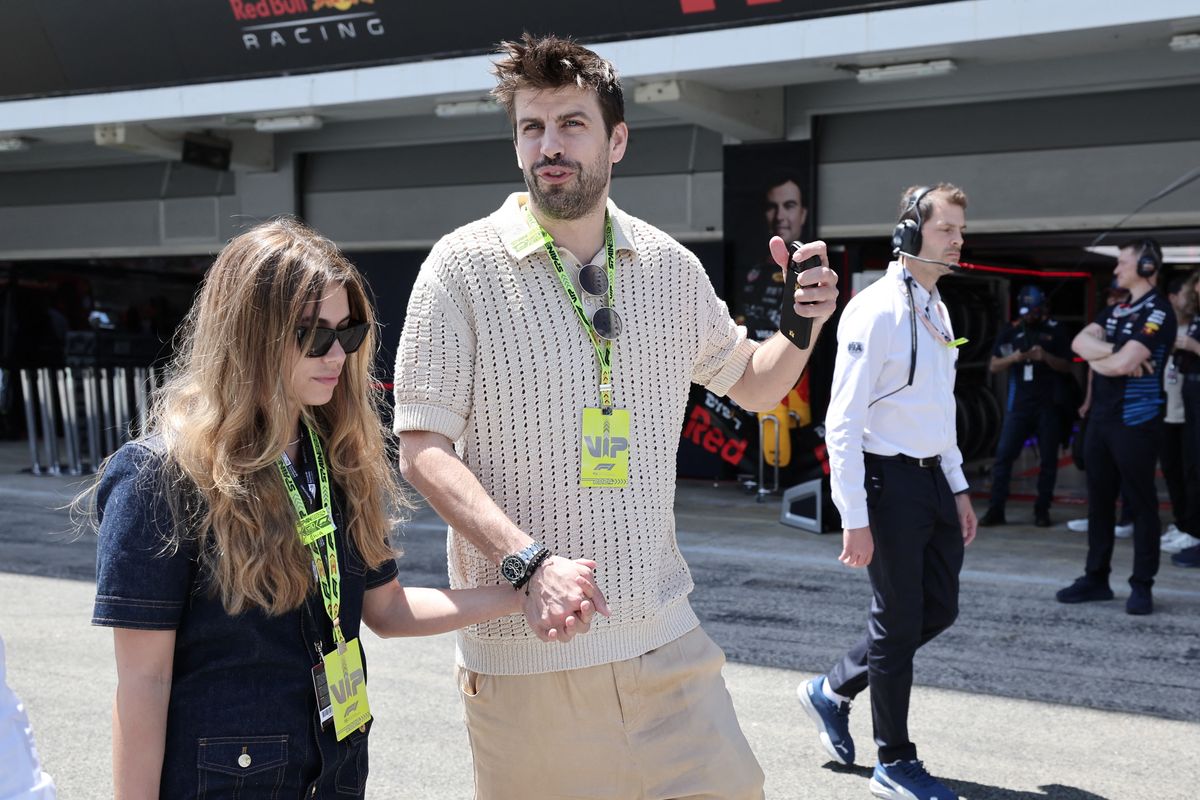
column 982, row 791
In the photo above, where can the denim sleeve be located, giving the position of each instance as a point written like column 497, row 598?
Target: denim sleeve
column 138, row 585
column 384, row 573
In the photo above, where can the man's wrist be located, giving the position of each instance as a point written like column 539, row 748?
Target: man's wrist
column 517, row 568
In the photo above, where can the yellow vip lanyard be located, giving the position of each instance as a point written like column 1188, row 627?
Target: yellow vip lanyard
column 314, row 529
column 602, row 346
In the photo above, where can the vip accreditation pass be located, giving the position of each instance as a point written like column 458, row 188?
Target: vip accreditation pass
column 604, row 450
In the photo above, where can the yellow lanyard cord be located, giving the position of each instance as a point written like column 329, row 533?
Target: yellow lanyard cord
column 315, row 528
column 603, row 347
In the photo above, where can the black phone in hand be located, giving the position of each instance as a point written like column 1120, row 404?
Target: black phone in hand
column 795, row 327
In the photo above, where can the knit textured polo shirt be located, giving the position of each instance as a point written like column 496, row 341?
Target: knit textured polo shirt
column 494, row 358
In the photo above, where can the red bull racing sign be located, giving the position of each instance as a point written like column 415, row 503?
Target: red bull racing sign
column 272, row 24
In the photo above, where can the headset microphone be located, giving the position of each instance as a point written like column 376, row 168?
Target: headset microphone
column 947, row 264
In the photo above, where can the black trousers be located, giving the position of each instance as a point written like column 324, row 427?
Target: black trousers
column 1019, row 424
column 1191, row 456
column 1123, row 458
column 1175, row 470
column 914, row 580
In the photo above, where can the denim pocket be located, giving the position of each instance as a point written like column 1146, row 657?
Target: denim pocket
column 352, row 773
column 241, row 766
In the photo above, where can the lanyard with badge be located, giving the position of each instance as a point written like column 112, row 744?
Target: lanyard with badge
column 910, row 292
column 339, row 680
column 934, row 328
column 604, row 438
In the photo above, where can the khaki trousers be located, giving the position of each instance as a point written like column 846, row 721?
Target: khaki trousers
column 657, row 727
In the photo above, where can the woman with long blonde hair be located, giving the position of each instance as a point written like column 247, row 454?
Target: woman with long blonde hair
column 244, row 536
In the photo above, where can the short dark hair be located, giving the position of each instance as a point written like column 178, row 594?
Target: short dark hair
column 780, row 178
column 952, row 193
column 1144, row 243
column 552, row 62
column 1178, row 283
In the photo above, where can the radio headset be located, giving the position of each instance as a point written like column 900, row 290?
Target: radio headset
column 1150, row 259
column 906, row 239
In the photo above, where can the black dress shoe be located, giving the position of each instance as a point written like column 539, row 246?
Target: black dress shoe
column 1042, row 519
column 1140, row 601
column 992, row 517
column 1085, row 590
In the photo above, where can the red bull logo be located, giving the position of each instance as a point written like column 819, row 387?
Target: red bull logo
column 246, row 10
column 340, row 5
column 270, row 33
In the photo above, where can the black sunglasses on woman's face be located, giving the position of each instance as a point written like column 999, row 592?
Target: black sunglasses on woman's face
column 351, row 338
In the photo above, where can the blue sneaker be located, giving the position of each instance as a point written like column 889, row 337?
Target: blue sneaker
column 908, row 780
column 832, row 719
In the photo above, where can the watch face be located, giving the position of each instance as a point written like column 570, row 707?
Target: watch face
column 512, row 568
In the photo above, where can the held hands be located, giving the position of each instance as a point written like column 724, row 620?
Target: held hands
column 1035, row 353
column 857, row 547
column 817, row 294
column 563, row 598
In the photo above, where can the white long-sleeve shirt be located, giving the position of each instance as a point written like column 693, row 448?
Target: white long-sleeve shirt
column 873, row 356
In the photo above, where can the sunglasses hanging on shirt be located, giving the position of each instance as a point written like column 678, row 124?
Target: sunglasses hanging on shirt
column 605, row 321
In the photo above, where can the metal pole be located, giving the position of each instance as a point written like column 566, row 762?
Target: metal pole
column 121, row 405
column 66, row 404
column 763, row 491
column 27, row 383
column 141, row 396
column 106, row 411
column 49, row 429
column 90, row 403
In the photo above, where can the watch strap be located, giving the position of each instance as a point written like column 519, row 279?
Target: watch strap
column 531, row 556
column 534, row 563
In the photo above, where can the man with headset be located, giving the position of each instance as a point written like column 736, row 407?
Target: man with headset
column 898, row 482
column 1127, row 348
column 1037, row 352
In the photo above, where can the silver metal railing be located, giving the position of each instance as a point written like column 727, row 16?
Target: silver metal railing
column 91, row 411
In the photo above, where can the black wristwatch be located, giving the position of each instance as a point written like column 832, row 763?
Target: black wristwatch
column 518, row 568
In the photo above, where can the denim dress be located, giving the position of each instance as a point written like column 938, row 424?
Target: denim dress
column 243, row 719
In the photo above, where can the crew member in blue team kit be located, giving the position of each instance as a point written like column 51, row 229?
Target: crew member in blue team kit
column 897, row 479
column 1037, row 352
column 1126, row 348
column 1187, row 360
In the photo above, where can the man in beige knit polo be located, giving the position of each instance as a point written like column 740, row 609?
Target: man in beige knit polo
column 539, row 400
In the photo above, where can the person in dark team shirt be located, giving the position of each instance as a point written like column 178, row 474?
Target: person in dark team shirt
column 1036, row 351
column 1187, row 361
column 1126, row 348
column 760, row 291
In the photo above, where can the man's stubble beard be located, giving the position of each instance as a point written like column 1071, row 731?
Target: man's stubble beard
column 565, row 202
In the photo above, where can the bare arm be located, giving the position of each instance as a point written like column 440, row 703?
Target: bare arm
column 556, row 595
column 998, row 363
column 1185, row 342
column 1133, row 358
column 395, row 610
column 776, row 365
column 1090, row 343
column 430, row 464
column 145, row 660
